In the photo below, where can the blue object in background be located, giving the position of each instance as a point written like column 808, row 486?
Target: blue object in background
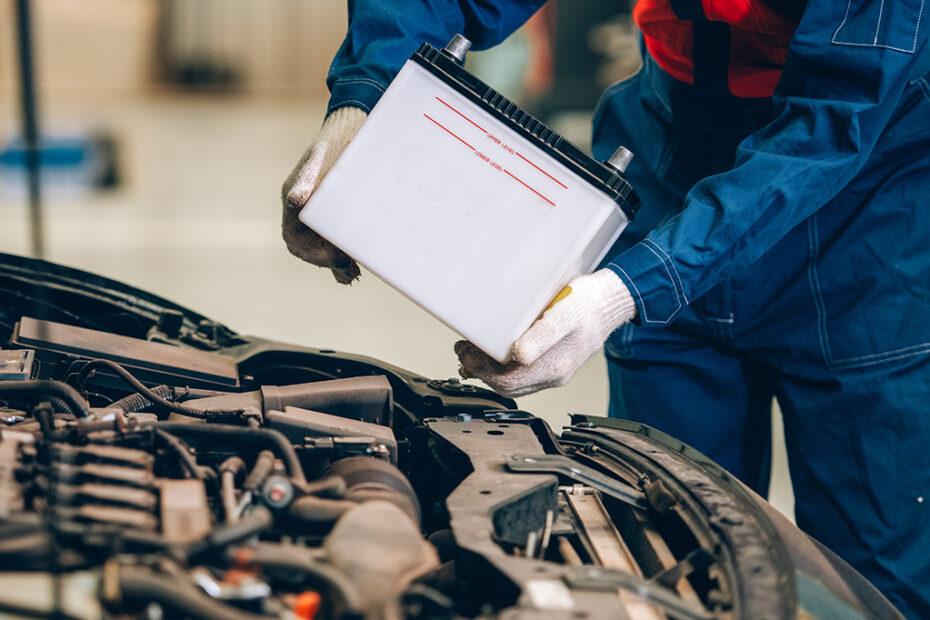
column 70, row 165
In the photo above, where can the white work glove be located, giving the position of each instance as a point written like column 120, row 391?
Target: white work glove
column 573, row 328
column 337, row 131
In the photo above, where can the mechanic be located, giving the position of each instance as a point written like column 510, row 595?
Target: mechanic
column 783, row 249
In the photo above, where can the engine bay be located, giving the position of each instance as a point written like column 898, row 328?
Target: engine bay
column 154, row 464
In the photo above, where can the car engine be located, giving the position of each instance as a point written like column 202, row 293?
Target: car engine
column 155, row 464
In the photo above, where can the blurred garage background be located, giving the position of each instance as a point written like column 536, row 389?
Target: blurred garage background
column 168, row 126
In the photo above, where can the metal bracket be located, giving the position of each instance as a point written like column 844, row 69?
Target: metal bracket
column 564, row 466
column 602, row 579
column 698, row 559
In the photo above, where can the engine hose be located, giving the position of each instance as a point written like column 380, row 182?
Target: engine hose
column 141, row 586
column 182, row 450
column 44, row 390
column 316, row 515
column 254, row 522
column 264, row 465
column 230, row 469
column 265, row 438
column 330, row 487
column 228, row 495
column 290, row 559
column 58, row 405
column 162, row 405
column 134, row 403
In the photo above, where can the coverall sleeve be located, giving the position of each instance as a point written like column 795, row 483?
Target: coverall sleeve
column 847, row 67
column 383, row 34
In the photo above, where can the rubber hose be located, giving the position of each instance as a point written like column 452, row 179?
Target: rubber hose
column 229, row 470
column 228, row 495
column 264, row 465
column 234, row 465
column 140, row 585
column 256, row 521
column 330, row 487
column 134, row 403
column 182, row 450
column 37, row 391
column 162, row 404
column 58, row 405
column 316, row 515
column 254, row 437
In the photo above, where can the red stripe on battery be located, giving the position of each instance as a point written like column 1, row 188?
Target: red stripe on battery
column 462, row 115
column 564, row 186
column 517, row 179
column 449, row 131
column 485, row 131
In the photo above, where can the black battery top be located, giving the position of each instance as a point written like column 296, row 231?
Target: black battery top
column 603, row 177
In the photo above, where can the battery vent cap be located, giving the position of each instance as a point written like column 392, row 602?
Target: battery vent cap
column 457, row 48
column 620, row 159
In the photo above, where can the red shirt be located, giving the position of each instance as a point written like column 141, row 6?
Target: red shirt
column 758, row 31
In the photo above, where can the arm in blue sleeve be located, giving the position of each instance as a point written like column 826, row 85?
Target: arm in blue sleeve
column 383, row 34
column 842, row 81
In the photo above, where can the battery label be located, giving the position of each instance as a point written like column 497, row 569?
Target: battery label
column 510, row 168
column 541, row 180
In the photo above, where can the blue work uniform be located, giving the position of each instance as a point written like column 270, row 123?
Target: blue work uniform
column 783, row 249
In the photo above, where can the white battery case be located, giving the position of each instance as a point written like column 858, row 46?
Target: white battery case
column 463, row 211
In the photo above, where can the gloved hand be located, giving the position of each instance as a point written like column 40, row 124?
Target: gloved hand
column 337, row 131
column 573, row 328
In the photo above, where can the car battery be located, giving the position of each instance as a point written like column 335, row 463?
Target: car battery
column 467, row 204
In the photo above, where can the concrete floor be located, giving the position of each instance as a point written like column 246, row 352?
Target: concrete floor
column 197, row 220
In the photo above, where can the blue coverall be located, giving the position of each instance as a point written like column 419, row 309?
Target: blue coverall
column 783, row 249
